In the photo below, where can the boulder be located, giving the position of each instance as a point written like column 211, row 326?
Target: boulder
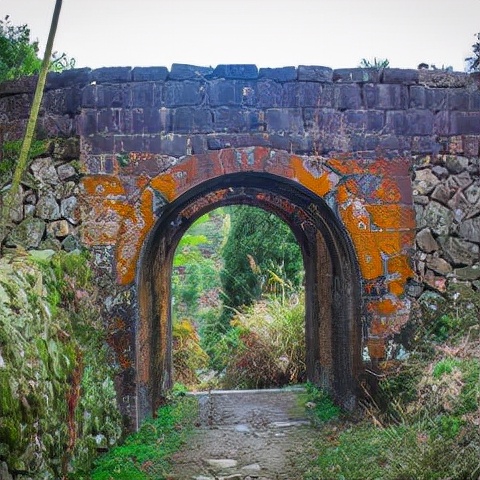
column 439, row 265
column 47, row 207
column 44, row 172
column 425, row 181
column 426, row 242
column 468, row 273
column 470, row 229
column 438, row 217
column 458, row 251
column 27, row 234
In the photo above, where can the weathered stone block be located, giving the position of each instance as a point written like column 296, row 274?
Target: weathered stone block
column 225, row 92
column 458, row 100
column 191, row 120
column 111, row 120
column 111, row 75
column 155, row 120
column 70, row 243
column 175, row 145
column 436, row 98
column 322, row 118
column 441, row 124
column 438, row 218
column 73, row 77
column 306, row 94
column 425, row 144
column 456, row 164
column 89, row 96
column 234, row 119
column 347, row 97
column 468, row 273
column 180, row 71
column 284, row 120
column 400, row 75
column 470, row 229
column 114, row 96
column 464, row 123
column 458, row 251
column 439, row 265
column 426, row 242
column 178, row 94
column 59, row 229
column 474, row 101
column 20, row 85
column 47, row 207
column 70, row 210
column 270, row 94
column 246, row 72
column 44, row 171
column 66, row 171
column 314, row 74
column 471, row 145
column 142, row 94
column 28, row 234
column 356, row 75
column 419, row 122
column 148, row 74
column 364, row 120
column 425, row 181
column 385, row 97
column 283, row 74
column 418, row 96
column 396, row 122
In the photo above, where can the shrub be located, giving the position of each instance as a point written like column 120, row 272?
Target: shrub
column 188, row 355
column 269, row 346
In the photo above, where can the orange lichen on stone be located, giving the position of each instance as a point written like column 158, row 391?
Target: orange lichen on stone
column 400, row 268
column 317, row 181
column 376, row 347
column 383, row 307
column 378, row 326
column 388, row 191
column 166, row 185
column 345, row 167
column 134, row 230
column 392, row 217
column 102, row 185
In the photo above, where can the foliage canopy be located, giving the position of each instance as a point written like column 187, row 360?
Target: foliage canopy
column 19, row 54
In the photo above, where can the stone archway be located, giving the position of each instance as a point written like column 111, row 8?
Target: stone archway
column 333, row 292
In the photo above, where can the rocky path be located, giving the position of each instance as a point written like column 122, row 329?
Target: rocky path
column 246, row 435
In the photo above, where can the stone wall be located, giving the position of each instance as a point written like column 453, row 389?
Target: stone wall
column 49, row 214
column 123, row 127
column 447, row 203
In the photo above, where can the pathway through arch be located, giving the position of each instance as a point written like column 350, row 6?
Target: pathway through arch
column 246, row 435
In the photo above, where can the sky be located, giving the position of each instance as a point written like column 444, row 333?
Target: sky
column 268, row 33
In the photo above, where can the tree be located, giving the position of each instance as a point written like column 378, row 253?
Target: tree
column 474, row 60
column 32, row 120
column 260, row 251
column 19, row 54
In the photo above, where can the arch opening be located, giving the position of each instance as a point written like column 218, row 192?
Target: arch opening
column 238, row 302
column 332, row 282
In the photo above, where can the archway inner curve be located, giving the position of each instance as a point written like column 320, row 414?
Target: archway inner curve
column 332, row 296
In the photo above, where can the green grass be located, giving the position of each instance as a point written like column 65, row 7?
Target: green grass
column 145, row 455
column 319, row 404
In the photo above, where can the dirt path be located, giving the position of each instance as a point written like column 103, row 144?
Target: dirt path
column 246, row 435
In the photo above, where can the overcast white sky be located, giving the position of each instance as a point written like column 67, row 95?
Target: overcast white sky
column 269, row 33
